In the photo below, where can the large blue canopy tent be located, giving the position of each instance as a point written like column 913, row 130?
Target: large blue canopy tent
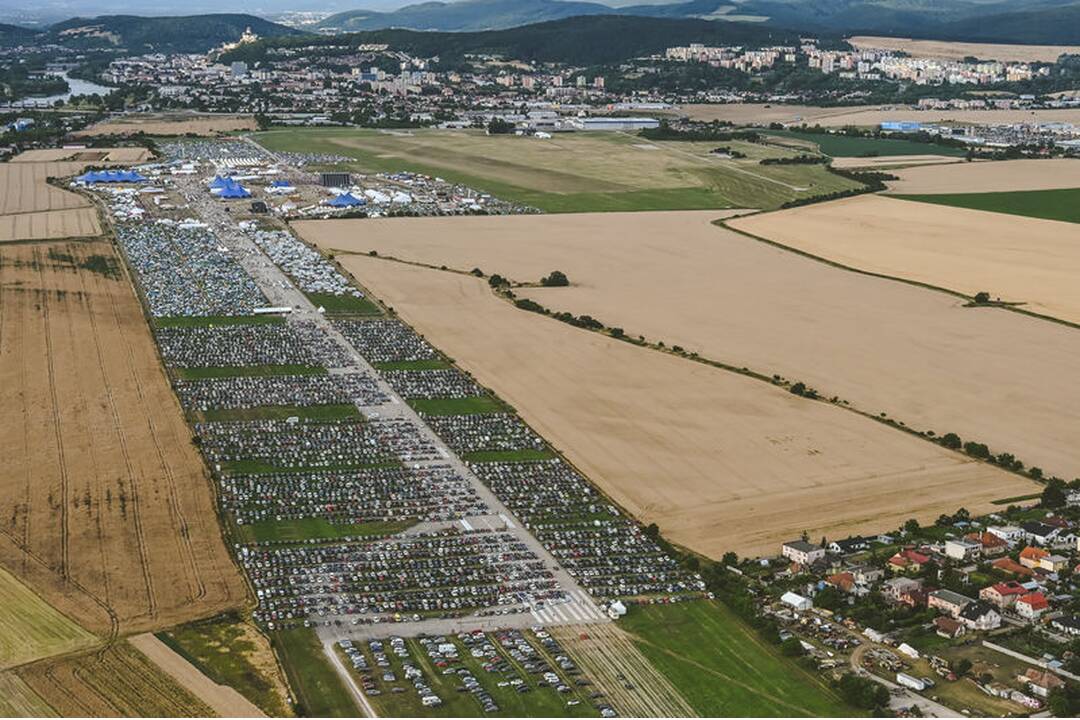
column 346, row 200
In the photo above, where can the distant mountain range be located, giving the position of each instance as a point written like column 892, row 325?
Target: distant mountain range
column 586, row 40
column 1030, row 21
column 1026, row 21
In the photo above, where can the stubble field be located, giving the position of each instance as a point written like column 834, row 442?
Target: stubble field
column 721, row 462
column 30, row 629
column 118, row 681
column 940, row 49
column 32, row 209
column 1019, row 259
column 177, row 124
column 978, row 177
column 884, row 346
column 867, row 115
column 110, row 517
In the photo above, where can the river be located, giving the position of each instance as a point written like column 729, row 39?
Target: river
column 76, row 87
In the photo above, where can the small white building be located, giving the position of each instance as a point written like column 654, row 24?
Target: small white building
column 962, row 549
column 796, row 601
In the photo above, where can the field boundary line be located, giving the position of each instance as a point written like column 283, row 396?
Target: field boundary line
column 771, row 380
column 723, row 223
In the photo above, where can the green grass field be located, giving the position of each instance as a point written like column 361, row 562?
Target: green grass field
column 224, row 650
column 412, row 365
column 31, row 629
column 507, row 455
column 328, row 413
column 458, row 406
column 319, row 690
column 256, row 371
column 574, row 172
column 215, row 320
column 722, row 668
column 314, row 529
column 1063, row 205
column 344, row 304
column 844, row 146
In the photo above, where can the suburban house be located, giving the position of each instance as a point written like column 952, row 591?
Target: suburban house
column 849, row 545
column 949, row 628
column 1067, row 624
column 867, row 574
column 1031, row 557
column 1009, row 533
column 1054, row 563
column 979, row 615
column 845, row 582
column 1041, row 682
column 908, row 561
column 1003, row 595
column 1008, row 565
column 1032, row 605
column 802, row 552
column 948, row 602
column 962, row 549
column 895, row 588
column 1040, row 533
column 992, row 545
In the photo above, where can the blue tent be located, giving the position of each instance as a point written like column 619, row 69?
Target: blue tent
column 234, row 191
column 346, row 200
column 219, row 182
column 110, row 176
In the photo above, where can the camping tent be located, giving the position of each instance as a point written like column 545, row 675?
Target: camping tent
column 234, row 191
column 346, row 200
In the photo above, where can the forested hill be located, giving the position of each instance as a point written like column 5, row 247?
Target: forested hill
column 193, row 33
column 11, row 35
column 585, row 40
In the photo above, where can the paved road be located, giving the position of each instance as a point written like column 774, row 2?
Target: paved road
column 578, row 607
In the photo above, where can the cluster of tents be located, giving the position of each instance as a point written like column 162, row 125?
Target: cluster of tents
column 110, row 176
column 225, row 187
column 346, row 199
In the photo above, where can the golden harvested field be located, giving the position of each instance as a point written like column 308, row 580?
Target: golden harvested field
column 998, row 176
column 116, row 682
column 18, row 700
column 85, row 155
column 868, row 115
column 894, row 161
column 109, row 515
column 181, row 124
column 883, row 346
column 720, row 461
column 1018, row 259
column 30, row 629
column 31, row 209
column 1003, row 52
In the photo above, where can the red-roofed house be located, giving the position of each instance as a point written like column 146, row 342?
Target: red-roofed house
column 1031, row 557
column 1004, row 594
column 992, row 545
column 908, row 561
column 844, row 581
column 1032, row 605
column 1012, row 567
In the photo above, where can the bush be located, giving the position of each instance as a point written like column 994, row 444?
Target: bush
column 555, row 279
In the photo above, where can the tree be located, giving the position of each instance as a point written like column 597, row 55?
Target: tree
column 497, row 281
column 498, row 126
column 911, row 526
column 1053, row 495
column 982, row 297
column 951, row 441
column 556, row 279
column 791, row 647
column 963, row 667
column 730, row 559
